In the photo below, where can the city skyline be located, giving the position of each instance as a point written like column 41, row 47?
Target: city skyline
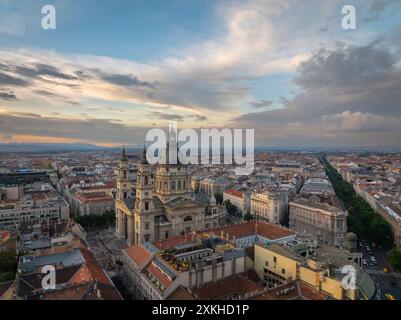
column 110, row 72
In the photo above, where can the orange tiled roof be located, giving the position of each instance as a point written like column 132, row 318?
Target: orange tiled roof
column 264, row 229
column 4, row 234
column 92, row 197
column 235, row 193
column 38, row 196
column 171, row 242
column 164, row 280
column 267, row 230
column 94, row 270
column 273, row 231
column 83, row 291
column 181, row 293
column 138, row 254
column 239, row 284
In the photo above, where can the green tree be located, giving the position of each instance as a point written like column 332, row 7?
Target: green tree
column 97, row 221
column 232, row 209
column 7, row 276
column 394, row 257
column 381, row 232
column 248, row 217
column 219, row 197
column 8, row 261
column 362, row 219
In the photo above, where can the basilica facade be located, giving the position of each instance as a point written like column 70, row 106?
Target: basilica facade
column 164, row 204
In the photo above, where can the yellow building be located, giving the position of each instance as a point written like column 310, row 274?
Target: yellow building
column 277, row 264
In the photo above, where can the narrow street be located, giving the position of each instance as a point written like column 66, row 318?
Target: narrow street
column 375, row 262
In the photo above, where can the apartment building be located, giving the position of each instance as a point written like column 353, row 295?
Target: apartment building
column 322, row 217
column 321, row 269
column 269, row 205
column 31, row 205
column 237, row 198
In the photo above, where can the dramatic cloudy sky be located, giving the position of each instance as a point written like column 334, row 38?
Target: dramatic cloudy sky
column 113, row 69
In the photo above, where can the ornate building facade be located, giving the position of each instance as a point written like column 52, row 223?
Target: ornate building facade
column 322, row 217
column 164, row 205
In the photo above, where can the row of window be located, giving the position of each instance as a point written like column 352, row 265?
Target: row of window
column 175, row 185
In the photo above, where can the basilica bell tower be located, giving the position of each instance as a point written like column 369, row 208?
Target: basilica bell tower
column 123, row 178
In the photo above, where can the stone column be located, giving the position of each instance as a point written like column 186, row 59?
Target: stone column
column 120, row 223
column 131, row 230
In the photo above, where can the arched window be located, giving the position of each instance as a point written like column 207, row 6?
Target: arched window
column 146, row 180
column 187, row 219
column 179, row 185
column 173, row 185
column 165, row 185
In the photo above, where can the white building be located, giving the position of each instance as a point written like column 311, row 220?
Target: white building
column 237, row 198
column 149, row 275
column 31, row 206
column 211, row 186
column 324, row 219
column 269, row 205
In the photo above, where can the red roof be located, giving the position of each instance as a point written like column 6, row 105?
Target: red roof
column 163, row 279
column 266, row 230
column 92, row 197
column 273, row 231
column 93, row 270
column 171, row 242
column 235, row 193
column 4, row 233
column 239, row 284
column 38, row 196
column 138, row 254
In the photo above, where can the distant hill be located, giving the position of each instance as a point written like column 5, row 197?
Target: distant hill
column 49, row 147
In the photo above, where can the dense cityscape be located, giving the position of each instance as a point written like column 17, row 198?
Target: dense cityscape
column 116, row 227
column 193, row 158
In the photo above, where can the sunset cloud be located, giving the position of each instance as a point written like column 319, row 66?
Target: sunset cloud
column 285, row 68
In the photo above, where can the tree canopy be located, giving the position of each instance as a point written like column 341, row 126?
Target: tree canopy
column 232, row 209
column 394, row 257
column 97, row 221
column 362, row 219
column 219, row 198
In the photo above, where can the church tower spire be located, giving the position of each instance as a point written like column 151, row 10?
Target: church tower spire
column 144, row 160
column 123, row 177
column 144, row 205
column 123, row 154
